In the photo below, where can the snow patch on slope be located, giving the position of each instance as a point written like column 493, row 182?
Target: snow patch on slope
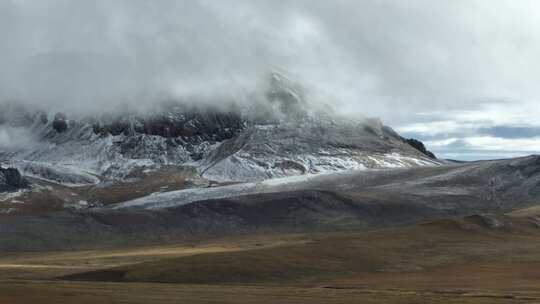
column 69, row 175
column 245, row 167
column 182, row 197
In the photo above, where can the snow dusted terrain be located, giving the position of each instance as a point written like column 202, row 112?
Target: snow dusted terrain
column 489, row 181
column 309, row 147
column 221, row 146
column 182, row 197
column 355, row 199
column 79, row 156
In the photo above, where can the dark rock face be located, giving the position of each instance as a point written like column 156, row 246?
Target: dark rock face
column 418, row 145
column 11, row 179
column 193, row 126
column 60, row 123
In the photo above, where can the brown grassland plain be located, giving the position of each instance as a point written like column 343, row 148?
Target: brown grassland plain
column 465, row 260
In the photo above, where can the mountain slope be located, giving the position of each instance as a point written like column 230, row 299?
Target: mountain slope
column 282, row 135
column 335, row 201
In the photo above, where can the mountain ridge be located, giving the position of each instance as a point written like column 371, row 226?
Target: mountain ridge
column 226, row 145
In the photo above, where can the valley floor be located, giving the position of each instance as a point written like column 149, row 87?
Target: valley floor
column 476, row 259
column 46, row 292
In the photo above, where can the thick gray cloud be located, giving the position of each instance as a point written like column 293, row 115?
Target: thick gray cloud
column 400, row 60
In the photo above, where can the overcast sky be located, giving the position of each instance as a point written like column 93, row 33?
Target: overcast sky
column 461, row 75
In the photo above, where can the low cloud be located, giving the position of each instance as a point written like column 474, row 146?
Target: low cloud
column 15, row 138
column 484, row 147
column 391, row 59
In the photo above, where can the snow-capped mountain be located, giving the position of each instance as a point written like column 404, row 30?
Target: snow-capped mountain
column 231, row 145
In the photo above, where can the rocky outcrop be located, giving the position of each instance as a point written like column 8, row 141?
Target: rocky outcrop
column 418, row 145
column 60, row 122
column 191, row 125
column 11, row 180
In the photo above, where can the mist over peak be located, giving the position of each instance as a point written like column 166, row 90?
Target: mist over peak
column 414, row 65
column 374, row 58
column 277, row 96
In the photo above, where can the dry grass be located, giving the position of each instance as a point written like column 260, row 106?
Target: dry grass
column 424, row 252
column 447, row 261
column 527, row 212
column 46, row 292
column 46, row 265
